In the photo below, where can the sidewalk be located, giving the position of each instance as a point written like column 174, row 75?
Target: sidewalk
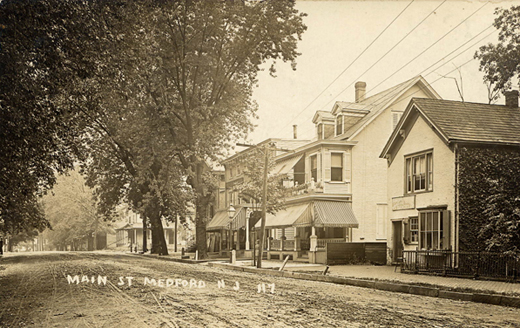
column 384, row 278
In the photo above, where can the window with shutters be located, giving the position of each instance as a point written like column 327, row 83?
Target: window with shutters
column 434, row 229
column 314, row 167
column 336, row 167
column 419, row 173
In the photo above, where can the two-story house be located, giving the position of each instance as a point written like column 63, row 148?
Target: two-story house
column 445, row 159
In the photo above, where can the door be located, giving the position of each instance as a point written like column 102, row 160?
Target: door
column 397, row 244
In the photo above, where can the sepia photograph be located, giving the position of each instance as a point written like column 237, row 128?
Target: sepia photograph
column 259, row 163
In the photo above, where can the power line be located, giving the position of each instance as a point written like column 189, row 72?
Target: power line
column 424, row 70
column 430, row 46
column 337, row 77
column 390, row 95
column 381, row 58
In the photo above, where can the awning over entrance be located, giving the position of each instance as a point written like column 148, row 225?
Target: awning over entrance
column 286, row 165
column 334, row 214
column 221, row 220
column 287, row 217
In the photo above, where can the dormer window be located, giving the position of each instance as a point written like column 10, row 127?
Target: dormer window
column 339, row 125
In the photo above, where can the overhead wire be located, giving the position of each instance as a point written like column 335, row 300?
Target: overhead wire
column 391, row 95
column 384, row 55
column 337, row 77
column 433, row 44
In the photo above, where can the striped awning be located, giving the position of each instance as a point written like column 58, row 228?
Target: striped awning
column 221, row 220
column 287, row 217
column 283, row 167
column 334, row 214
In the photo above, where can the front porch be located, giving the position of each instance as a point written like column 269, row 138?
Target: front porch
column 302, row 231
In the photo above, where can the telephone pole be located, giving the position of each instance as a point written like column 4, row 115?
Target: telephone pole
column 267, row 149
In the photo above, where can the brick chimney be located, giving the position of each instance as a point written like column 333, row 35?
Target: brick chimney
column 511, row 98
column 361, row 88
column 295, row 131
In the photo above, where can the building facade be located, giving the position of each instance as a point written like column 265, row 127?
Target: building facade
column 444, row 160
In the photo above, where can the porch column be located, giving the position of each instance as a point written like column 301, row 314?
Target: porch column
column 314, row 240
column 282, row 240
column 268, row 239
column 237, row 242
column 247, row 233
column 296, row 239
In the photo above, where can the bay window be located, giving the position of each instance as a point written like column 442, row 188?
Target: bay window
column 314, row 168
column 336, row 168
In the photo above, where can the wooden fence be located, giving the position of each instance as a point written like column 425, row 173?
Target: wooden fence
column 356, row 253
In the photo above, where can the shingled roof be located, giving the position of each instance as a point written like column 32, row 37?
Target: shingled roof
column 460, row 122
column 377, row 103
column 471, row 122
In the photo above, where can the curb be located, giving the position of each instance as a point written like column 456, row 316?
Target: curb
column 475, row 296
column 167, row 258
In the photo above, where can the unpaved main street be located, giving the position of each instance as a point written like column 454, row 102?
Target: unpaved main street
column 35, row 291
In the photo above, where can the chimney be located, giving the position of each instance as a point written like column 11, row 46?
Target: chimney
column 360, row 90
column 295, row 131
column 511, row 98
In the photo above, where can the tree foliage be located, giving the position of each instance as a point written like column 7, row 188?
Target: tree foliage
column 153, row 88
column 489, row 199
column 251, row 188
column 501, row 62
column 36, row 135
column 72, row 213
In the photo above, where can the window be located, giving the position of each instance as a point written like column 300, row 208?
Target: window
column 314, row 167
column 419, row 173
column 414, row 230
column 433, row 229
column 396, row 116
column 230, row 172
column 339, row 125
column 320, row 131
column 336, row 167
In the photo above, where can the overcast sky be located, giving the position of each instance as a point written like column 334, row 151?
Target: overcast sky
column 339, row 31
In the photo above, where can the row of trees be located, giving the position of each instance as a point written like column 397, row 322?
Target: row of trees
column 142, row 93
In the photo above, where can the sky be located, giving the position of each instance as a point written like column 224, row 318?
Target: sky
column 338, row 32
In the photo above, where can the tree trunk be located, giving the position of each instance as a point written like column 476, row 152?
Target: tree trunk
column 153, row 213
column 201, row 203
column 145, row 237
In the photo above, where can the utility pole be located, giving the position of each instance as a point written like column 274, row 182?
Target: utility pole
column 267, row 148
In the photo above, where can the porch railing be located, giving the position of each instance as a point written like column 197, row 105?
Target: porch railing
column 464, row 264
column 276, row 245
column 324, row 242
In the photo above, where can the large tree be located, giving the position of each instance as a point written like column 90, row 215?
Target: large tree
column 207, row 55
column 37, row 137
column 501, row 62
column 161, row 87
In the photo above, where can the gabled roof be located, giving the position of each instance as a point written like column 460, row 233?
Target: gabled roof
column 322, row 115
column 377, row 103
column 462, row 122
column 288, row 144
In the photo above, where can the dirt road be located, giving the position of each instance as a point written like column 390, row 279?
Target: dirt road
column 108, row 290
